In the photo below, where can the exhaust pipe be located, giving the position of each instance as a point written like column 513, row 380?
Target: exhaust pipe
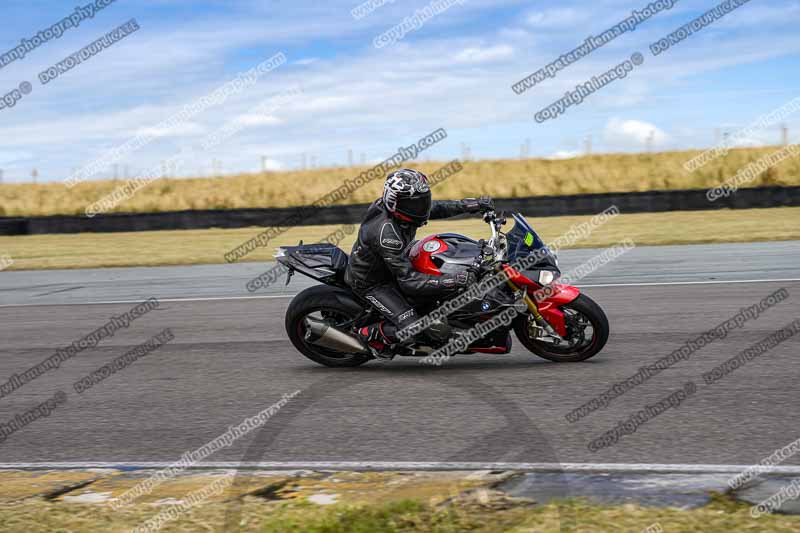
column 322, row 334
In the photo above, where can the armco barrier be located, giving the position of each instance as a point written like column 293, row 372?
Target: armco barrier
column 537, row 206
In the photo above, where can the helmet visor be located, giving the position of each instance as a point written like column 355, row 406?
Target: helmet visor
column 417, row 208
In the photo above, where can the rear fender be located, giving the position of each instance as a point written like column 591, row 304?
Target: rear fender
column 344, row 297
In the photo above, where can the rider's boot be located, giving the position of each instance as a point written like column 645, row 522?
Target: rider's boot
column 374, row 337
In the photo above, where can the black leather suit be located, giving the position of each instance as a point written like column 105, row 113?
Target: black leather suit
column 381, row 271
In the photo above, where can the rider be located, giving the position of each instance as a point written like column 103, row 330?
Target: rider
column 380, row 270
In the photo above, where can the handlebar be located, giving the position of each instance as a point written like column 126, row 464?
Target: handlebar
column 495, row 223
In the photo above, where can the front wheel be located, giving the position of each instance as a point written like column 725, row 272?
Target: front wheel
column 587, row 333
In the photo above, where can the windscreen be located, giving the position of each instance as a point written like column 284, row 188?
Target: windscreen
column 524, row 241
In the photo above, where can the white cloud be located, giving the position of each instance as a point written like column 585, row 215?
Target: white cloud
column 557, row 18
column 7, row 158
column 761, row 15
column 371, row 101
column 480, row 55
column 632, row 133
column 752, row 139
column 565, row 154
column 258, row 120
column 274, row 164
column 183, row 129
column 748, row 142
column 328, row 103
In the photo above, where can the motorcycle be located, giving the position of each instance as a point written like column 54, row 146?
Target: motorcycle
column 554, row 321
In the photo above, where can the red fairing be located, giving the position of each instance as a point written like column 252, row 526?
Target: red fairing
column 422, row 259
column 560, row 295
column 518, row 279
column 549, row 302
column 549, row 307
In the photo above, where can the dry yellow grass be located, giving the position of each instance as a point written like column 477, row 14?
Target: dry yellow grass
column 153, row 248
column 500, row 178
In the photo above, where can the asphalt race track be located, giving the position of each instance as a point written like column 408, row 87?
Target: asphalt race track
column 230, row 359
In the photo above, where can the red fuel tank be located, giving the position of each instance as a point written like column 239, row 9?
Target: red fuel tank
column 422, row 253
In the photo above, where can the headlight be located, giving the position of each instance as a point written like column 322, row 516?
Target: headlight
column 279, row 252
column 546, row 277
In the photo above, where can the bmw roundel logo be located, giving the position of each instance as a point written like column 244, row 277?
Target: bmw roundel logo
column 485, row 306
column 431, row 246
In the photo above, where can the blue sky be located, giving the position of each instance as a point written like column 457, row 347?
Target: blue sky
column 454, row 72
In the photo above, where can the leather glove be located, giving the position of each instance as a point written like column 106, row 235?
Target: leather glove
column 479, row 205
column 478, row 266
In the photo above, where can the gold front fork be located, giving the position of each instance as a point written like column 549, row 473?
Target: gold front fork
column 532, row 307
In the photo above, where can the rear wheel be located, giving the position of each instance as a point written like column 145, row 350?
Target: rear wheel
column 587, row 333
column 320, row 303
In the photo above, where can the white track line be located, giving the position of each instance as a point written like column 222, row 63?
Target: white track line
column 280, row 296
column 429, row 466
column 668, row 283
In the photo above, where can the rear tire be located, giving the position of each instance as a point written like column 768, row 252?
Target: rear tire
column 321, row 300
column 581, row 306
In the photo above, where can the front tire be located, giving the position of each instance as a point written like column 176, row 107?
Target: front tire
column 322, row 303
column 579, row 314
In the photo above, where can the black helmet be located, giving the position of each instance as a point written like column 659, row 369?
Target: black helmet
column 407, row 196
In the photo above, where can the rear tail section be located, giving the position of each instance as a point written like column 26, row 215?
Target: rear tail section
column 323, row 262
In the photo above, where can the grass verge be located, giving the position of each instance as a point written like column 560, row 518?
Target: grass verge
column 721, row 516
column 189, row 247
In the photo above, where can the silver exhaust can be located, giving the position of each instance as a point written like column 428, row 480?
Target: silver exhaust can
column 322, row 334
